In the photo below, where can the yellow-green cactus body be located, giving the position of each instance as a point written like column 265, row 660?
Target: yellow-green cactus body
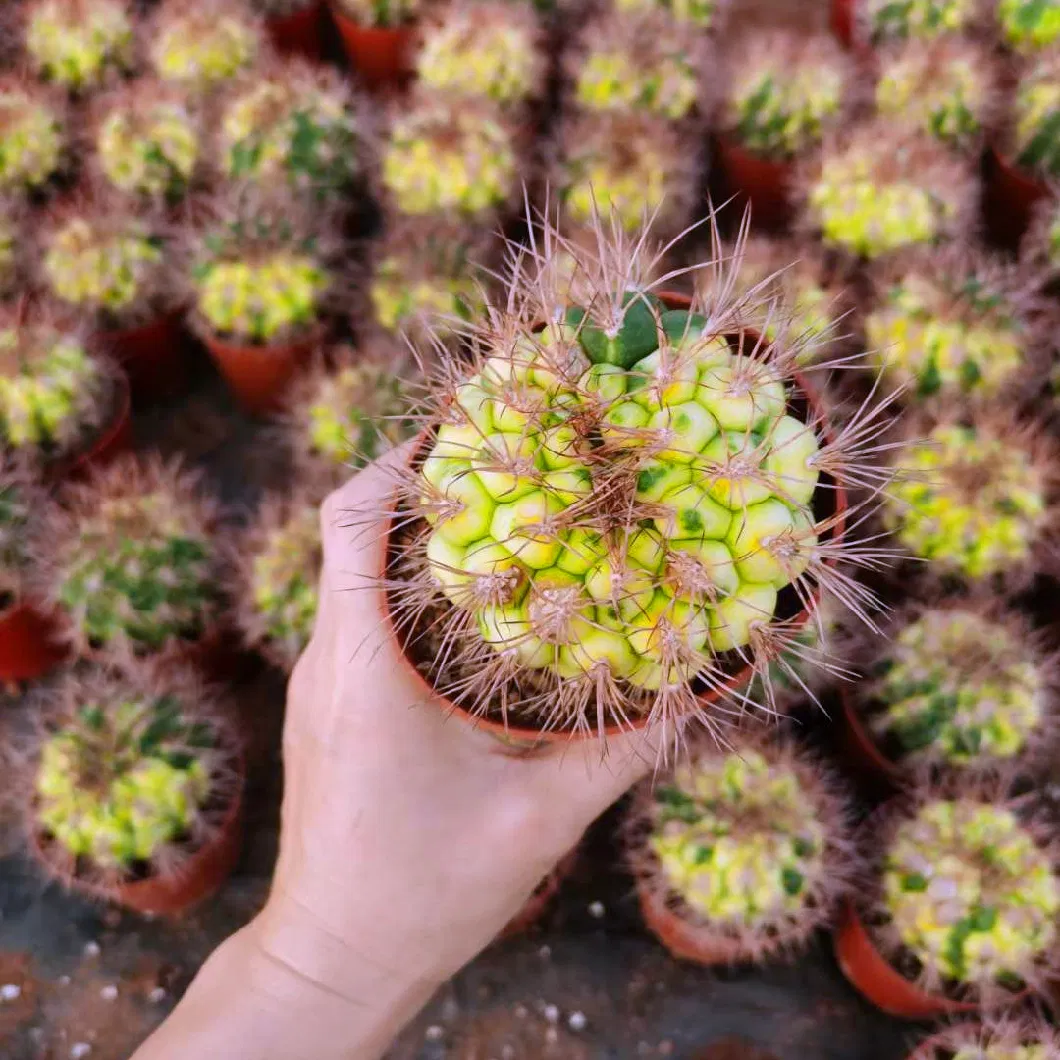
column 8, row 255
column 1037, row 118
column 76, row 45
column 738, row 840
column 151, row 153
column 630, row 187
column 918, row 18
column 970, row 894
column 404, row 295
column 200, row 51
column 1052, row 241
column 1016, row 1050
column 616, row 80
column 264, row 299
column 101, row 270
column 698, row 13
column 935, row 340
column 1029, row 24
column 381, row 12
column 958, row 688
column 31, row 141
column 968, row 500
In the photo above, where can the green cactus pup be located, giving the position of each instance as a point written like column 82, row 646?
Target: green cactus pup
column 131, row 776
column 33, row 132
column 78, row 45
column 612, row 502
column 897, row 19
column 749, row 848
column 942, row 87
column 381, row 13
column 1036, row 117
column 691, row 14
column 995, row 1038
column 293, row 122
column 131, row 558
column 960, row 685
column 279, row 567
column 952, row 326
column 149, row 140
column 647, row 63
column 973, row 501
column 882, row 189
column 968, row 896
column 786, row 91
column 1028, row 25
column 485, row 49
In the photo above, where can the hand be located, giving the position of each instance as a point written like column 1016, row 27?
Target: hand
column 409, row 839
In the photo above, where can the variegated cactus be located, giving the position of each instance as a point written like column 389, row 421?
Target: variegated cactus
column 78, row 45
column 20, row 505
column 383, row 13
column 994, row 1038
column 1028, row 25
column 1036, row 117
column 888, row 19
column 33, row 134
column 696, row 14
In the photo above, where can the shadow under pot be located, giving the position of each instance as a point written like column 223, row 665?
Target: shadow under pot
column 300, row 33
column 30, row 641
column 153, row 356
column 1010, row 194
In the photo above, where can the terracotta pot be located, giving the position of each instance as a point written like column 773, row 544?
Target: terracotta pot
column 381, row 55
column 111, row 442
column 300, row 33
column 763, row 181
column 683, row 939
column 153, row 356
column 29, row 643
column 260, row 376
column 1009, row 197
column 862, row 752
column 541, row 899
column 867, row 969
column 841, row 19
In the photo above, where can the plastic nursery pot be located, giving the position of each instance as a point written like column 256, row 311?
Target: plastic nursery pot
column 764, row 181
column 153, row 355
column 1009, row 197
column 173, row 894
column 260, row 376
column 381, row 55
column 541, row 899
column 29, row 642
column 111, row 441
column 300, row 33
column 861, row 752
column 841, row 20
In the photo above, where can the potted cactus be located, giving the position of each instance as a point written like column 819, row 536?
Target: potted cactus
column 344, row 417
column 260, row 279
column 1027, row 25
column 996, row 1038
column 874, row 21
column 33, row 136
column 617, row 511
column 201, row 44
column 786, row 90
column 61, row 407
column 377, row 36
column 291, row 122
column 643, row 62
column 136, row 794
column 79, row 45
column 278, row 568
column 740, row 856
column 295, row 27
column 959, row 684
column 962, row 911
column 1040, row 248
column 951, row 325
column 973, row 500
column 693, row 15
column 483, row 49
column 448, row 159
column 879, row 189
column 129, row 555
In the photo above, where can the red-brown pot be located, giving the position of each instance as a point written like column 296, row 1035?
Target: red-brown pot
column 684, row 940
column 113, row 440
column 154, row 356
column 29, row 642
column 868, row 971
column 260, row 376
column 541, row 899
column 300, row 33
column 380, row 55
column 862, row 752
column 1009, row 197
column 841, row 19
column 764, row 181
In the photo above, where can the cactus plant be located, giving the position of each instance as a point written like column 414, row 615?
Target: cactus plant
column 786, row 90
column 279, row 567
column 695, row 14
column 78, row 45
column 132, row 773
column 450, row 158
column 199, row 44
column 19, row 502
column 1029, row 24
column 486, row 49
column 884, row 189
column 13, row 241
column 611, row 506
column 997, row 1038
column 33, row 132
column 148, row 139
column 953, row 324
column 1036, row 116
column 943, row 87
column 968, row 894
column 1040, row 248
column 890, row 19
column 130, row 557
column 383, row 13
column 635, row 63
column 750, row 847
column 963, row 683
column 293, row 121
column 972, row 500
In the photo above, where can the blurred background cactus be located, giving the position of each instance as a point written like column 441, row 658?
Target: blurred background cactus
column 32, row 136
column 995, row 1038
column 78, row 44
column 1028, row 24
column 383, row 13
column 1036, row 116
column 20, row 505
column 694, row 14
column 888, row 19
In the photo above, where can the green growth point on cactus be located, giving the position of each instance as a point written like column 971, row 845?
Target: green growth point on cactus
column 382, row 13
column 1028, row 25
column 970, row 895
column 701, row 14
column 32, row 137
column 79, row 45
column 200, row 45
column 890, row 19
column 1036, row 114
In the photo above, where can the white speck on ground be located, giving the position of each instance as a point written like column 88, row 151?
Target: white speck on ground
column 577, row 1021
column 551, row 1013
column 597, row 909
column 79, row 1050
column 521, row 1012
column 109, row 992
column 91, row 950
column 545, row 952
column 157, row 994
column 10, row 992
column 434, row 1033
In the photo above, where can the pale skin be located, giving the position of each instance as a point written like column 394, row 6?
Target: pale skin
column 408, row 840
